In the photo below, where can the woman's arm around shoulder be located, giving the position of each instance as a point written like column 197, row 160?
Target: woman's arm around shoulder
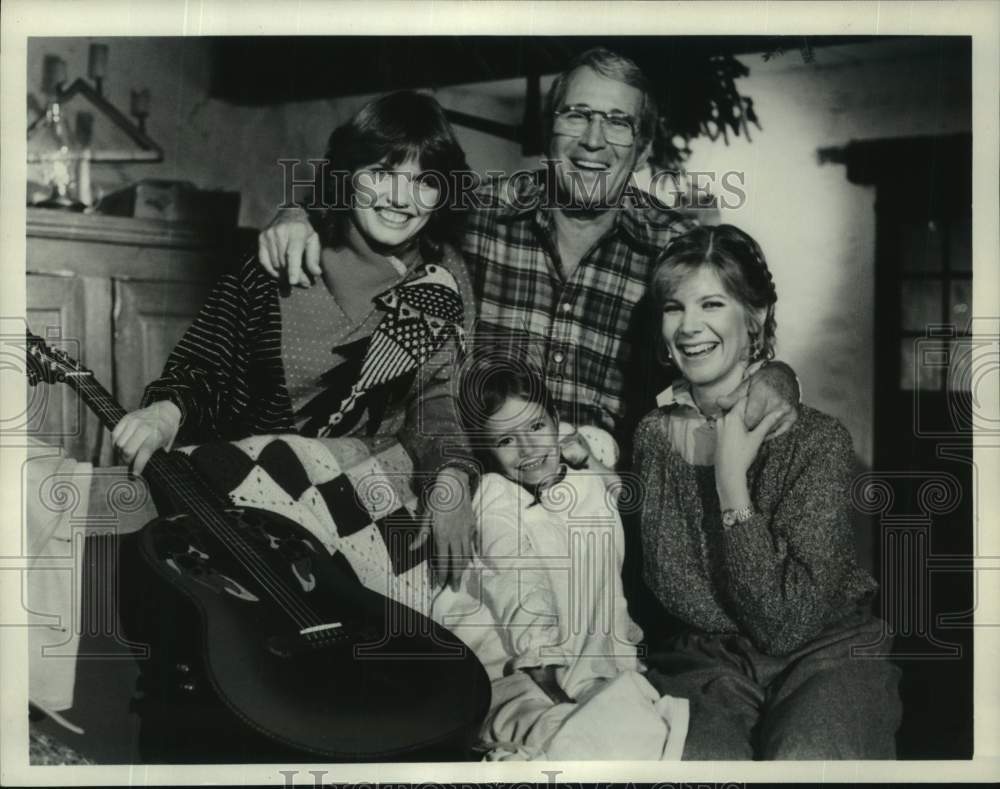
column 433, row 436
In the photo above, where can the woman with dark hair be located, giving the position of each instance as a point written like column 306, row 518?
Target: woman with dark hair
column 750, row 544
column 371, row 354
column 395, row 129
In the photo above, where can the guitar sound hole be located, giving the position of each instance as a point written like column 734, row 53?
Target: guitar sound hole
column 188, row 564
column 174, row 542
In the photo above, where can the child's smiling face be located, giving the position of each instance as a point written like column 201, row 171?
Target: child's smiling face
column 525, row 441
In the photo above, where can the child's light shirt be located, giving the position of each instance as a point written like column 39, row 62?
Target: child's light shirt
column 545, row 588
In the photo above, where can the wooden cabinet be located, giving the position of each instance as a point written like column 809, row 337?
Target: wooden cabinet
column 150, row 317
column 117, row 294
column 57, row 310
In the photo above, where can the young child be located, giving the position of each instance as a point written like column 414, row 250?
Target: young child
column 542, row 604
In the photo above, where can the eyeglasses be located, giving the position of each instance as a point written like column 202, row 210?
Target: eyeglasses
column 574, row 120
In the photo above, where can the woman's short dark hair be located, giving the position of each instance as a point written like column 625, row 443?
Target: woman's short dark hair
column 392, row 129
column 487, row 383
column 740, row 265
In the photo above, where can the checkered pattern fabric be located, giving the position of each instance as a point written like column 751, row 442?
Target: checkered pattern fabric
column 356, row 502
column 576, row 330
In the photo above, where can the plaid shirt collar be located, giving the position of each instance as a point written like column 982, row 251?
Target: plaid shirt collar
column 677, row 394
column 526, row 198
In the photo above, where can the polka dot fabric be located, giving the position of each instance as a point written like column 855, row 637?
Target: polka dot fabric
column 312, row 325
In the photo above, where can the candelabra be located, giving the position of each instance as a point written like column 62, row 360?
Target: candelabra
column 61, row 154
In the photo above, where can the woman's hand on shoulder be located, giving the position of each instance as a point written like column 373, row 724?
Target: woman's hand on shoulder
column 140, row 433
column 289, row 243
column 772, row 388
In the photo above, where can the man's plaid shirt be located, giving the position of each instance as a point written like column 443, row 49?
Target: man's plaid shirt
column 578, row 331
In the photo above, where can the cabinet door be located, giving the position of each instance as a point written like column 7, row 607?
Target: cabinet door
column 150, row 317
column 71, row 313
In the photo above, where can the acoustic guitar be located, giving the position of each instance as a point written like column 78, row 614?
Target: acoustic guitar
column 263, row 646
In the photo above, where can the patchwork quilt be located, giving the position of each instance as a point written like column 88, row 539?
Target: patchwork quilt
column 352, row 496
column 355, row 500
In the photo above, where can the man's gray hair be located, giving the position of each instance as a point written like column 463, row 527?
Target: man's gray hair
column 613, row 66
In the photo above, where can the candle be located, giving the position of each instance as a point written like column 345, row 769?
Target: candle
column 140, row 102
column 97, row 67
column 54, row 74
column 60, row 72
column 84, row 128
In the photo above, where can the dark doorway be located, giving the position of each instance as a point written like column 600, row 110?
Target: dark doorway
column 921, row 488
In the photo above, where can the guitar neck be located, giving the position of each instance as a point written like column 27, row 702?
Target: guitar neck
column 96, row 398
column 110, row 412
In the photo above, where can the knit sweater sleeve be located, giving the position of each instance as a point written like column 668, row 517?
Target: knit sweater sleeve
column 432, row 433
column 786, row 568
column 516, row 587
column 207, row 370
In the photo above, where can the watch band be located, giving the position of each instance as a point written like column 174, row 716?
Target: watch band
column 733, row 517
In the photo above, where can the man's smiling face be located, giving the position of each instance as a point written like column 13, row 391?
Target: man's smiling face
column 589, row 170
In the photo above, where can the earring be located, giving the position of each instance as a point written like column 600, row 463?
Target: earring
column 666, row 358
column 756, row 351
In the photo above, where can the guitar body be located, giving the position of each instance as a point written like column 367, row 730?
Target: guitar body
column 262, row 645
column 224, row 661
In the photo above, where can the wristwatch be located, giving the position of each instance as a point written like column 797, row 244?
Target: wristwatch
column 732, row 517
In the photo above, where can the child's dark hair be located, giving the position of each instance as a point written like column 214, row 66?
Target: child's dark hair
column 392, row 129
column 486, row 384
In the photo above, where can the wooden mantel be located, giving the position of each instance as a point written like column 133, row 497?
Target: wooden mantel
column 70, row 226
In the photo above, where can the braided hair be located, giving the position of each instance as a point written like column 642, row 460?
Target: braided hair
column 740, row 265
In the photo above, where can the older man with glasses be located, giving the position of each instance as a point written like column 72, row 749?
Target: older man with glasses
column 560, row 260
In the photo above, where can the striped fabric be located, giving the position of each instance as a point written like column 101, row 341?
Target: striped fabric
column 577, row 331
column 227, row 375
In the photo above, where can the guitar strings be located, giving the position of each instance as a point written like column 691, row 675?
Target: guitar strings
column 244, row 553
column 112, row 413
column 305, row 615
column 299, row 611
